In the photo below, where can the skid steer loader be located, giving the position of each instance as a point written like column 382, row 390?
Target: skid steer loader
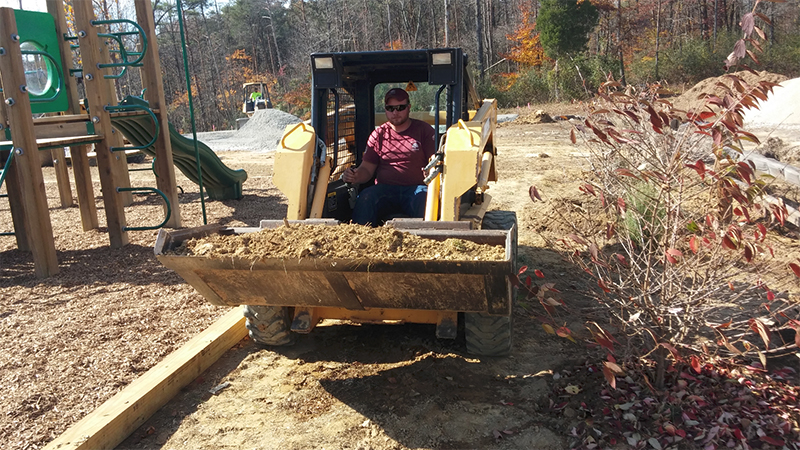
column 283, row 297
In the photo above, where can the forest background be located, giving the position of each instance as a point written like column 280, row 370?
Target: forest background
column 521, row 51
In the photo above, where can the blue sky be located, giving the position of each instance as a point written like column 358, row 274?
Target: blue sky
column 30, row 5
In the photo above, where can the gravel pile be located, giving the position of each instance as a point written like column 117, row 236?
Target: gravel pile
column 782, row 107
column 261, row 133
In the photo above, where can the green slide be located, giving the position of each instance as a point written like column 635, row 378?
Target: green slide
column 220, row 181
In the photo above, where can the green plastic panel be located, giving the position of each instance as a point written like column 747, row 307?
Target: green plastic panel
column 37, row 32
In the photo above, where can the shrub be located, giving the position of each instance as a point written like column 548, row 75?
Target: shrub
column 695, row 233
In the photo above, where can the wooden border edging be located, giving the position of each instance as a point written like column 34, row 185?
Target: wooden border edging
column 113, row 421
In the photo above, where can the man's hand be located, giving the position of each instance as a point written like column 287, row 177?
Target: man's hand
column 349, row 175
column 360, row 174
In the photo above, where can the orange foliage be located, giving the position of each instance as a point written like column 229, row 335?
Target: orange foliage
column 504, row 81
column 527, row 50
column 299, row 100
column 396, row 44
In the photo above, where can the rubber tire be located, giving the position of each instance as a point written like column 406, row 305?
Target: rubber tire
column 488, row 335
column 269, row 325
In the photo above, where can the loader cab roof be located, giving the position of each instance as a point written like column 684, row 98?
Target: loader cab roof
column 345, row 101
column 441, row 66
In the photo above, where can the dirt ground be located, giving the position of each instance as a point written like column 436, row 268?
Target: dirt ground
column 72, row 341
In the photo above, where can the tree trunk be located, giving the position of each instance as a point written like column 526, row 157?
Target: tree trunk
column 479, row 36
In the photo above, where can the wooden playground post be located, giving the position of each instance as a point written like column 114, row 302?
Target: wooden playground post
column 114, row 138
column 27, row 164
column 97, row 100
column 80, row 162
column 154, row 92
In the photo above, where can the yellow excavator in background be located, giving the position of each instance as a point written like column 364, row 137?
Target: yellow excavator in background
column 256, row 96
column 283, row 297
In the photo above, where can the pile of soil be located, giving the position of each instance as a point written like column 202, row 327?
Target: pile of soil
column 341, row 241
column 694, row 98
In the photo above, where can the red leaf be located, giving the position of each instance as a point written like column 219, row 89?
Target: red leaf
column 795, row 268
column 695, row 364
column 622, row 260
column 749, row 252
column 534, row 193
column 671, row 349
column 796, row 336
column 699, row 167
column 761, row 329
column 572, row 136
column 588, row 188
column 625, row 172
column 763, row 231
column 563, row 332
column 522, row 270
column 576, row 238
column 538, row 273
column 612, row 380
column 724, row 325
column 693, row 244
column 603, row 286
column 772, row 441
column 728, row 243
column 770, row 296
column 594, row 251
column 621, row 204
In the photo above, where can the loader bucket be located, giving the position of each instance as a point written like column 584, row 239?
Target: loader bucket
column 352, row 284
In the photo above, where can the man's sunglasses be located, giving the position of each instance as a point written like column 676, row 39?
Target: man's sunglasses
column 391, row 108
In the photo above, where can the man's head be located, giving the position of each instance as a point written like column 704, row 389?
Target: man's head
column 397, row 94
column 396, row 103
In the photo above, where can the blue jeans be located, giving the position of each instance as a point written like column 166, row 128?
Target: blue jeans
column 376, row 202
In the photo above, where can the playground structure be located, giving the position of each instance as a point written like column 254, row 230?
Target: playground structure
column 35, row 59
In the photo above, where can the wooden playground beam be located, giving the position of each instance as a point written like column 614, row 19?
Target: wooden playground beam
column 154, row 91
column 116, row 419
column 27, row 163
column 96, row 94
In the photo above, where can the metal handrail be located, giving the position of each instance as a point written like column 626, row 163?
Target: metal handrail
column 6, row 166
column 2, row 178
column 140, row 32
column 140, row 190
column 121, row 51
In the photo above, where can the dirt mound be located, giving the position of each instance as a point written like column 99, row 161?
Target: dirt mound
column 341, row 241
column 693, row 99
column 538, row 116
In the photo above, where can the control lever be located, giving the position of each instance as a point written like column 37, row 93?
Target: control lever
column 352, row 190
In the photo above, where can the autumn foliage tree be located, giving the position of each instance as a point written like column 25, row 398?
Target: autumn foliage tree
column 526, row 48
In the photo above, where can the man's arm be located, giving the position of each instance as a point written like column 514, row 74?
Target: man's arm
column 360, row 174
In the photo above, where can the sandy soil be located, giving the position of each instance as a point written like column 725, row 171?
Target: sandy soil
column 72, row 341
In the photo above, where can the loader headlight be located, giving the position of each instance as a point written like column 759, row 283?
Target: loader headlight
column 323, row 62
column 442, row 66
column 441, row 59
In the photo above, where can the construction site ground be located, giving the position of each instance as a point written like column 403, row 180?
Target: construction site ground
column 70, row 342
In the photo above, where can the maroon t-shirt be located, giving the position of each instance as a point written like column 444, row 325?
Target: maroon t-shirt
column 401, row 156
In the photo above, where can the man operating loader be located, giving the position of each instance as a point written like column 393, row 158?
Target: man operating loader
column 396, row 153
